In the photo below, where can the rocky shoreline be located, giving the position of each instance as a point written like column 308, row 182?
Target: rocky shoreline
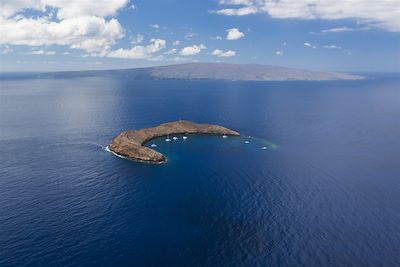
column 130, row 144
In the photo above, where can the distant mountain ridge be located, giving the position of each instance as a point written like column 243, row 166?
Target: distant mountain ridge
column 213, row 71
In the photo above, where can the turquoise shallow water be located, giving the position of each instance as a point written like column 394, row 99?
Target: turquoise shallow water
column 324, row 193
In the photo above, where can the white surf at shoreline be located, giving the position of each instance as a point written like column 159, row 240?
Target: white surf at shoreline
column 115, row 154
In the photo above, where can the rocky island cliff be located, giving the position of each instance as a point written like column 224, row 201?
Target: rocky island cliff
column 130, row 144
column 212, row 71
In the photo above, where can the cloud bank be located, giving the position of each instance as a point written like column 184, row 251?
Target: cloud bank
column 384, row 14
column 139, row 51
column 79, row 24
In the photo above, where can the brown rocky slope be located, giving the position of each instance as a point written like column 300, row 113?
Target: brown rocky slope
column 130, row 144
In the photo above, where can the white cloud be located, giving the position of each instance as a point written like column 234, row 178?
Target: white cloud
column 384, row 13
column 7, row 50
column 192, row 50
column 92, row 34
column 132, row 7
column 309, row 45
column 235, row 2
column 221, row 53
column 338, row 48
column 234, row 34
column 80, row 24
column 171, row 52
column 242, row 11
column 65, row 9
column 341, row 29
column 41, row 52
column 332, row 47
column 180, row 59
column 66, row 53
column 216, row 37
column 139, row 51
column 155, row 26
column 279, row 53
column 156, row 45
column 137, row 39
column 176, row 42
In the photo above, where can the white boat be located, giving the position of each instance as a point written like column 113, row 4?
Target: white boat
column 264, row 147
column 175, row 138
column 246, row 142
column 184, row 137
column 167, row 140
column 153, row 145
column 224, row 136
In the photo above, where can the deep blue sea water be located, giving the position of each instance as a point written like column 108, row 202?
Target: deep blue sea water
column 326, row 192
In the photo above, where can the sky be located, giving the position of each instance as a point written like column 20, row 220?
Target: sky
column 60, row 35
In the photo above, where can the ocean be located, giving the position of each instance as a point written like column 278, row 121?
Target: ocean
column 325, row 192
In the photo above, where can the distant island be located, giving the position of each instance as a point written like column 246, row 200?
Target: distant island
column 130, row 144
column 212, row 71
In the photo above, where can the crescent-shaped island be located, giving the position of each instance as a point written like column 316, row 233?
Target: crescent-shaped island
column 130, row 144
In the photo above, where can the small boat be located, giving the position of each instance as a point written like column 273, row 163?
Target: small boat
column 153, row 145
column 184, row 137
column 264, row 147
column 224, row 136
column 167, row 140
column 246, row 142
column 175, row 138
